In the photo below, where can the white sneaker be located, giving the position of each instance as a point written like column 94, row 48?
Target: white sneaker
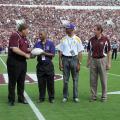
column 76, row 100
column 64, row 100
column 103, row 99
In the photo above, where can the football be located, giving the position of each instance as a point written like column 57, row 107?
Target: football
column 37, row 51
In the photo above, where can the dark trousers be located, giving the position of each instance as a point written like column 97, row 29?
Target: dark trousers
column 114, row 54
column 45, row 75
column 16, row 74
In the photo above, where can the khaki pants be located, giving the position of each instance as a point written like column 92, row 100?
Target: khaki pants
column 98, row 69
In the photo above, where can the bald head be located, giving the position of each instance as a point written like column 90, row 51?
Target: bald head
column 43, row 35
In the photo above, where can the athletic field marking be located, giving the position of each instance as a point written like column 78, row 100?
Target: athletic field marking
column 5, row 78
column 34, row 77
column 113, row 74
column 109, row 93
column 29, row 79
column 34, row 108
column 32, row 105
column 107, row 73
column 114, row 93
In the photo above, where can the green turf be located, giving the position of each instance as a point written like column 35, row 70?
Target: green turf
column 70, row 110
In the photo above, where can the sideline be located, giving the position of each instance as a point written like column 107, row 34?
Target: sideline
column 31, row 104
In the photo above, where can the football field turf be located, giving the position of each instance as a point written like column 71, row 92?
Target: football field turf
column 84, row 110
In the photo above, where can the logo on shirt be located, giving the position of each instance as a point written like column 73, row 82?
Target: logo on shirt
column 47, row 48
column 26, row 42
column 101, row 43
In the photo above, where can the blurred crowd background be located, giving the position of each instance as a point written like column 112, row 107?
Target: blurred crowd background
column 64, row 2
column 52, row 19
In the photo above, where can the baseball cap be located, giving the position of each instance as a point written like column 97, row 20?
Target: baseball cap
column 70, row 26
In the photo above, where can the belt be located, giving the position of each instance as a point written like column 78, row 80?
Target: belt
column 99, row 57
column 69, row 56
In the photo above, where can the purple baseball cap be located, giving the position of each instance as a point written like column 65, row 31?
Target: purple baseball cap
column 70, row 26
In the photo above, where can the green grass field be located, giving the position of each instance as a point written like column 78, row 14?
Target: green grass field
column 84, row 110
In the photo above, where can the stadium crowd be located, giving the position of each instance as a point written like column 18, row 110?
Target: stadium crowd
column 51, row 19
column 64, row 2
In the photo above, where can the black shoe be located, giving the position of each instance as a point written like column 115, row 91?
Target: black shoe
column 22, row 101
column 42, row 100
column 51, row 100
column 11, row 103
column 92, row 100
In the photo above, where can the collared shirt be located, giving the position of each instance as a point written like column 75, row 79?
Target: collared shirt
column 99, row 48
column 115, row 45
column 47, row 47
column 69, row 44
column 16, row 40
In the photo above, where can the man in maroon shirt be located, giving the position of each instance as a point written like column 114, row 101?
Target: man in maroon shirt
column 99, row 61
column 16, row 64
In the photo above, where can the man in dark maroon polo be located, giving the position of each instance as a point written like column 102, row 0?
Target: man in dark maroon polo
column 18, row 52
column 99, row 61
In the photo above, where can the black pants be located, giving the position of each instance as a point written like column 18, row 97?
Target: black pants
column 16, row 74
column 45, row 75
column 114, row 54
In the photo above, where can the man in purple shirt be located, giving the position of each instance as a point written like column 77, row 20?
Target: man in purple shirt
column 45, row 68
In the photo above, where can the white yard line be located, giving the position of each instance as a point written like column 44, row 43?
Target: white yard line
column 34, row 108
column 114, row 93
column 5, row 78
column 32, row 105
column 107, row 73
column 113, row 74
column 109, row 93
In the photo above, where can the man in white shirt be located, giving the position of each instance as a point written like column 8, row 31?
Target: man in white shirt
column 70, row 57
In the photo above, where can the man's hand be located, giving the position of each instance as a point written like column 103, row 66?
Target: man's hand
column 88, row 64
column 43, row 53
column 32, row 56
column 108, row 66
column 61, row 66
column 78, row 67
column 27, row 56
column 88, row 60
column 47, row 54
column 30, row 49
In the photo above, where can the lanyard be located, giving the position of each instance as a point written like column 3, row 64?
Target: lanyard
column 43, row 46
column 70, row 41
